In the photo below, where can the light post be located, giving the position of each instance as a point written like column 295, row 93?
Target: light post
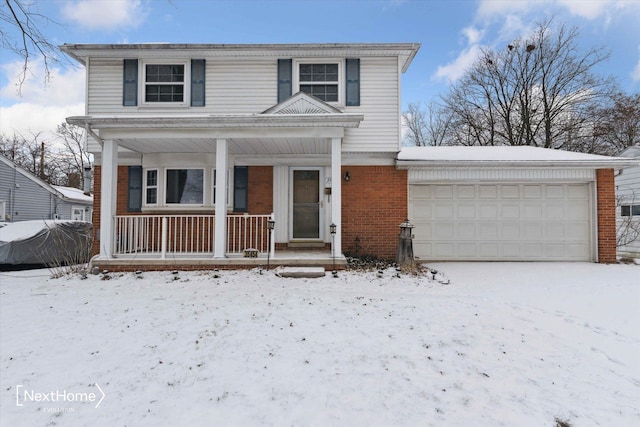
column 270, row 225
column 332, row 230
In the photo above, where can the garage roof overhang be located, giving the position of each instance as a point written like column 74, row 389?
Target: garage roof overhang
column 430, row 158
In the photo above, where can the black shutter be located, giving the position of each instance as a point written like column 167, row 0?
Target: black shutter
column 130, row 83
column 197, row 82
column 134, row 193
column 240, row 188
column 353, row 82
column 284, row 79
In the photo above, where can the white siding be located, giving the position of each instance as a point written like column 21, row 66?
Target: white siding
column 249, row 86
column 628, row 192
column 379, row 102
column 104, row 92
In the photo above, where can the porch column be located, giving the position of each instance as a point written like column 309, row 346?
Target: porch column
column 220, row 233
column 336, row 192
column 109, row 183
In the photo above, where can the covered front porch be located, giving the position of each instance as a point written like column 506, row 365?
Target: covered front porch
column 298, row 141
column 189, row 240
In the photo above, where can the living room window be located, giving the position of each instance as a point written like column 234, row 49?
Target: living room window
column 164, row 83
column 184, row 186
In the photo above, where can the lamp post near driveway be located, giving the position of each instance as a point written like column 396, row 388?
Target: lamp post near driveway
column 332, row 230
column 270, row 225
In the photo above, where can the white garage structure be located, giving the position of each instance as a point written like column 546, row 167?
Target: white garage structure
column 502, row 203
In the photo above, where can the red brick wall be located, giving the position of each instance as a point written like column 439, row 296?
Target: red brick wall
column 374, row 204
column 606, row 193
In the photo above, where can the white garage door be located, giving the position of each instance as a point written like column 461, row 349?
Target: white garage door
column 527, row 222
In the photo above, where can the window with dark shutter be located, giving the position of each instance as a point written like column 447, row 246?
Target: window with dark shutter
column 130, row 83
column 134, row 193
column 198, row 82
column 240, row 188
column 353, row 82
column 284, row 79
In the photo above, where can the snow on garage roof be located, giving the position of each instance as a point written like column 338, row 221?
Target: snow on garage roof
column 491, row 156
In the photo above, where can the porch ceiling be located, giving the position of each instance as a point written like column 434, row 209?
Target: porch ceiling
column 236, row 146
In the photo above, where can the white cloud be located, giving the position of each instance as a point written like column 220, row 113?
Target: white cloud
column 454, row 70
column 635, row 74
column 40, row 107
column 473, row 35
column 490, row 8
column 105, row 14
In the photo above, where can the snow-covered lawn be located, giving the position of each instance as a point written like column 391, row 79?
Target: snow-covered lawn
column 514, row 344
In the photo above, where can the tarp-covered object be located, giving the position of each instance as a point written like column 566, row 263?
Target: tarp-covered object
column 45, row 242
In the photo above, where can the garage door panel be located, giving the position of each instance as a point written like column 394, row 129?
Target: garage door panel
column 466, row 231
column 501, row 222
column 466, row 192
column 444, row 192
column 488, row 211
column 488, row 231
column 532, row 231
column 466, row 211
column 510, row 231
column 510, row 211
column 444, row 231
column 444, row 211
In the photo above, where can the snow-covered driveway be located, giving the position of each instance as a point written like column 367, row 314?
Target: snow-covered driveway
column 503, row 344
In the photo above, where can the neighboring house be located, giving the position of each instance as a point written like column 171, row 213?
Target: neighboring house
column 25, row 197
column 628, row 212
column 200, row 146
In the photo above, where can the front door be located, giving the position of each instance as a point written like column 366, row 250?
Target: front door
column 306, row 204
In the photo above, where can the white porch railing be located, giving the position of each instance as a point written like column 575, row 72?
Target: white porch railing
column 159, row 235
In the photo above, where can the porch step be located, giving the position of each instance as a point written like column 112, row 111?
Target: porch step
column 300, row 272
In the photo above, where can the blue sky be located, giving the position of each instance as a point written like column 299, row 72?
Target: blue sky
column 451, row 33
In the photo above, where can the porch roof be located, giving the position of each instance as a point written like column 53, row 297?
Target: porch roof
column 301, row 124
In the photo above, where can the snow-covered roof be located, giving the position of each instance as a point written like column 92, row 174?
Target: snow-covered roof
column 492, row 156
column 633, row 151
column 73, row 194
column 70, row 193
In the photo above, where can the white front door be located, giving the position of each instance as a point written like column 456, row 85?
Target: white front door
column 306, row 204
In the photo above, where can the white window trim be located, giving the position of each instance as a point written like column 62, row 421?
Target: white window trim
column 186, row 97
column 144, row 187
column 341, row 75
column 83, row 215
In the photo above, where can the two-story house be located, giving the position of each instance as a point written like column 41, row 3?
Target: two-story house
column 204, row 151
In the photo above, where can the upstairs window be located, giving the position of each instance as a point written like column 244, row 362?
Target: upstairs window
column 164, row 83
column 157, row 84
column 320, row 80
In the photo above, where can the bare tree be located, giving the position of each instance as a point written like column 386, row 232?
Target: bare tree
column 77, row 158
column 618, row 125
column 428, row 126
column 22, row 16
column 44, row 158
column 537, row 91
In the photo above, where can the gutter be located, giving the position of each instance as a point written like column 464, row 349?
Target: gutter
column 615, row 163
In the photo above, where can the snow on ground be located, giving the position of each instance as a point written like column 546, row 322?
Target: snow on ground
column 503, row 344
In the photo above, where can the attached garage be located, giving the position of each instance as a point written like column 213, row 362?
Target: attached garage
column 509, row 204
column 523, row 222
